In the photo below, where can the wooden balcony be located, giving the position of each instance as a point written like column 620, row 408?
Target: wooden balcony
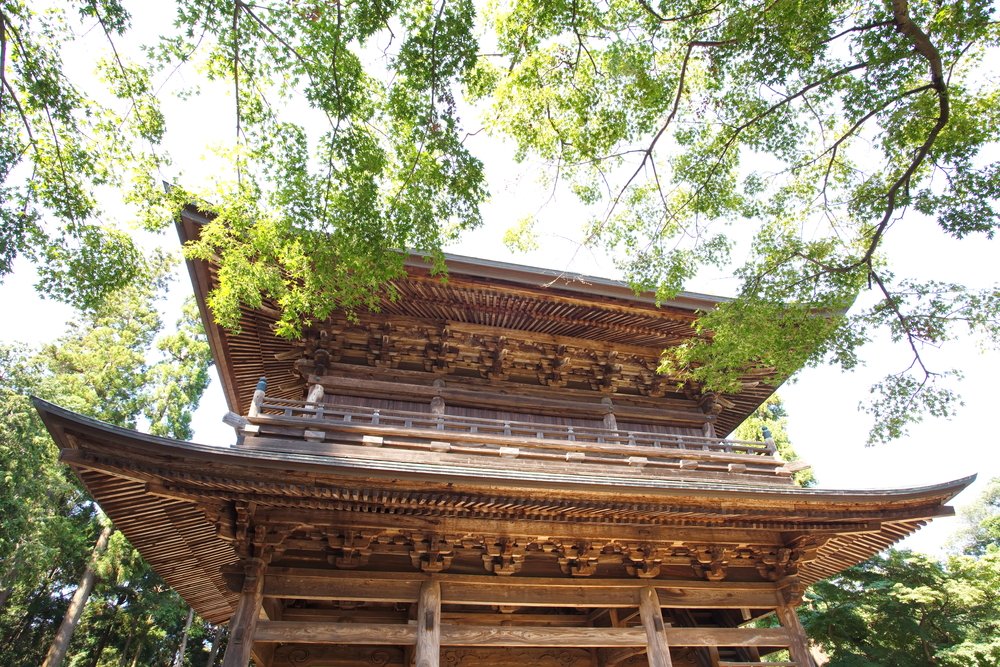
column 360, row 432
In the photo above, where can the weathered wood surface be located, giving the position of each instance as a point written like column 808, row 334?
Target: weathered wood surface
column 451, row 634
column 403, row 423
column 588, row 464
column 657, row 648
column 798, row 648
column 428, row 636
column 667, row 410
column 242, row 626
column 489, row 590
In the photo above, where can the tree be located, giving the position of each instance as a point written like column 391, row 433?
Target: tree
column 770, row 421
column 112, row 366
column 908, row 610
column 982, row 522
column 821, row 127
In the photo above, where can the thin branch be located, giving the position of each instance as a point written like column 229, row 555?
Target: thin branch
column 236, row 83
column 675, row 19
column 3, row 56
column 924, row 47
column 648, row 152
column 858, row 28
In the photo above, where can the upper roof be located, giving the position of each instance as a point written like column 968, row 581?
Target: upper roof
column 602, row 320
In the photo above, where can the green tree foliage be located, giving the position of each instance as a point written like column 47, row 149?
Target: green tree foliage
column 982, row 522
column 111, row 365
column 59, row 144
column 771, row 420
column 905, row 609
column 820, row 127
column 816, row 124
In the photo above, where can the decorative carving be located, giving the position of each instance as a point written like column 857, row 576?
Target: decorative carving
column 431, row 553
column 509, row 356
column 478, row 657
column 291, row 655
column 298, row 656
column 578, row 559
column 351, row 548
column 710, row 562
column 777, row 564
column 642, row 561
column 503, row 556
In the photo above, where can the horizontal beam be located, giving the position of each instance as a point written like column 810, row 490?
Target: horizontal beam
column 305, row 584
column 496, row 636
column 581, row 403
column 447, row 525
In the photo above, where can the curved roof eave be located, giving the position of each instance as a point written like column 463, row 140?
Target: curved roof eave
column 171, row 450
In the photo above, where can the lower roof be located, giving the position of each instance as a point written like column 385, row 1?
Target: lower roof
column 160, row 492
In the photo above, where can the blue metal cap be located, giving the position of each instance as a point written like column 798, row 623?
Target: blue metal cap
column 262, row 384
column 767, row 432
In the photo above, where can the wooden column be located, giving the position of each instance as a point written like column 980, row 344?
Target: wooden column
column 657, row 651
column 428, row 652
column 798, row 647
column 315, row 395
column 244, row 622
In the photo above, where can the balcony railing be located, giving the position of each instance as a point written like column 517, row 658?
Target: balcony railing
column 396, row 429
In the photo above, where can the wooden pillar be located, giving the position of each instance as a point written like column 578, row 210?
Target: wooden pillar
column 657, row 651
column 315, row 395
column 428, row 651
column 244, row 622
column 798, row 647
column 258, row 397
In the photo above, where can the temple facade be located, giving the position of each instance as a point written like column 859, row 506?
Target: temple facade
column 487, row 471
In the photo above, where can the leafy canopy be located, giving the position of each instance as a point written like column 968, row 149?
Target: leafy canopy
column 908, row 610
column 816, row 129
column 114, row 364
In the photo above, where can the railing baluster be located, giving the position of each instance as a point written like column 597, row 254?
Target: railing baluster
column 375, row 417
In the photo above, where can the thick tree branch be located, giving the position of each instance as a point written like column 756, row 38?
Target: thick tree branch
column 926, row 49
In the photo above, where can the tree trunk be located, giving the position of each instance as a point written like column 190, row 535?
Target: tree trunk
column 109, row 625
column 139, row 645
column 179, row 658
column 216, row 643
column 138, row 652
column 57, row 652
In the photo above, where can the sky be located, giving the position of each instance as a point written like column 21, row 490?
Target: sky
column 825, row 423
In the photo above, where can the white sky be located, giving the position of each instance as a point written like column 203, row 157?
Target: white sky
column 826, row 426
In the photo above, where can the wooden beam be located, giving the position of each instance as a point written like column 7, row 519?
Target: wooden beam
column 400, row 634
column 657, row 649
column 798, row 646
column 428, row 639
column 592, row 409
column 243, row 624
column 308, row 584
column 533, row 527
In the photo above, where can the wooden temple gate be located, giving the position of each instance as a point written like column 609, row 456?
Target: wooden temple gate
column 488, row 471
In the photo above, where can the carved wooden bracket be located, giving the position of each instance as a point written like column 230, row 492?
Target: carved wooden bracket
column 579, row 559
column 503, row 556
column 431, row 553
column 643, row 561
column 351, row 548
column 710, row 562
